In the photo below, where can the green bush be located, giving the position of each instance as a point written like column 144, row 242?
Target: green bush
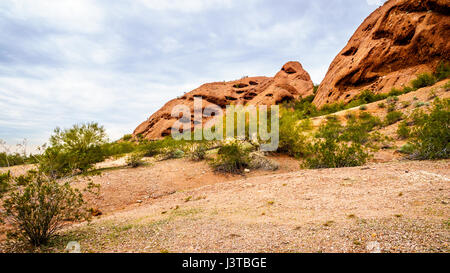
column 431, row 133
column 329, row 151
column 73, row 150
column 41, row 208
column 292, row 140
column 393, row 117
column 8, row 160
column 357, row 129
column 403, row 130
column 5, row 179
column 442, row 71
column 408, row 148
column 127, row 137
column 232, row 158
column 119, row 148
column 423, row 80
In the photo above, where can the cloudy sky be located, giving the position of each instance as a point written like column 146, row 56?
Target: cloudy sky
column 116, row 62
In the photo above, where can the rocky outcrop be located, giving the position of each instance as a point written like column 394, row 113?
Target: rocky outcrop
column 292, row 82
column 397, row 41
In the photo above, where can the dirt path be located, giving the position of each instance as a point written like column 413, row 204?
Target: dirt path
column 400, row 207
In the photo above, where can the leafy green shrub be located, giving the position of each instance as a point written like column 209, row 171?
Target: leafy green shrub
column 135, row 160
column 408, row 148
column 25, row 179
column 329, row 151
column 42, row 207
column 442, row 71
column 431, row 133
column 73, row 150
column 393, row 117
column 357, row 129
column 403, row 130
column 127, row 137
column 232, row 158
column 9, row 160
column 119, row 148
column 292, row 139
column 5, row 179
column 423, row 80
column 381, row 105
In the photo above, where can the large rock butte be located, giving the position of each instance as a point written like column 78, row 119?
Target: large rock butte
column 292, row 82
column 395, row 43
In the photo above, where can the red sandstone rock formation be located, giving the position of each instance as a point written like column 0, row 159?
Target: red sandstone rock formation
column 397, row 41
column 292, row 82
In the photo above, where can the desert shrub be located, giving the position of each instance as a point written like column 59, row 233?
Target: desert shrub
column 127, row 137
column 119, row 148
column 431, row 133
column 408, row 148
column 406, row 104
column 381, row 105
column 163, row 146
column 403, row 130
column 331, row 154
column 8, row 160
column 232, row 157
column 330, row 151
column 73, row 150
column 331, row 108
column 25, row 179
column 41, row 208
column 442, row 71
column 198, row 153
column 363, row 107
column 134, row 160
column 423, row 80
column 292, row 140
column 5, row 179
column 419, row 104
column 357, row 129
column 393, row 117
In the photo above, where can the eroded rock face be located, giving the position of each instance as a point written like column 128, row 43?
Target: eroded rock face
column 395, row 43
column 292, row 82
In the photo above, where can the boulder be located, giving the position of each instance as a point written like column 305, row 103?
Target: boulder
column 292, row 82
column 395, row 43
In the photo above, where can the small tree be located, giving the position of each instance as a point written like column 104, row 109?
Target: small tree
column 41, row 208
column 75, row 149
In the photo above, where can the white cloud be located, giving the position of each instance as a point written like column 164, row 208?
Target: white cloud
column 71, row 15
column 375, row 2
column 187, row 6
